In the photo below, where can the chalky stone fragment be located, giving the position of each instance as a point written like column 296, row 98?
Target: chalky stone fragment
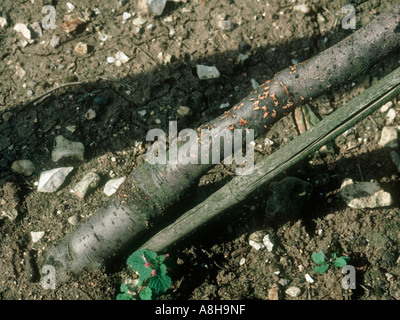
column 67, row 149
column 51, row 180
column 363, row 195
column 90, row 180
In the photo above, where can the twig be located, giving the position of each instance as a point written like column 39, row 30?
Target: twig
column 47, row 93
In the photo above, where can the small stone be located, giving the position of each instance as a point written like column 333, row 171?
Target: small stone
column 81, row 48
column 55, row 41
column 308, row 278
column 24, row 30
column 142, row 113
column 157, row 6
column 7, row 116
column 110, row 60
column 51, row 180
column 225, row 25
column 386, row 107
column 390, row 116
column 268, row 142
column 25, row 167
column 389, row 277
column 74, row 220
column 74, row 26
column 157, row 121
column 293, row 291
column 20, row 72
column 126, row 15
column 268, row 242
column 37, row 29
column 242, row 261
column 3, row 22
column 389, row 138
column 283, row 282
column 207, row 72
column 36, row 236
column 302, row 8
column 363, row 195
column 122, row 57
column 184, row 111
column 242, row 57
column 70, row 6
column 254, row 84
column 274, row 293
column 67, row 149
column 255, row 240
column 320, row 18
column 71, row 128
column 89, row 181
column 112, row 185
column 90, row 114
column 11, row 214
column 139, row 21
column 396, row 159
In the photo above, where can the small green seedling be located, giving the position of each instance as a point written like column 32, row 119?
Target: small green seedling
column 324, row 263
column 153, row 279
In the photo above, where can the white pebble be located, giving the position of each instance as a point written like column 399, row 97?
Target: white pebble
column 23, row 29
column 120, row 56
column 386, row 107
column 254, row 84
column 242, row 261
column 293, row 291
column 70, row 6
column 36, row 236
column 207, row 72
column 224, row 105
column 112, row 185
column 390, row 116
column 268, row 242
column 389, row 138
column 302, row 8
column 110, row 59
column 51, row 180
column 126, row 15
column 309, row 279
column 3, row 22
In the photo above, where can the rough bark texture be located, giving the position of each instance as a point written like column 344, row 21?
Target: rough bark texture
column 270, row 167
column 150, row 189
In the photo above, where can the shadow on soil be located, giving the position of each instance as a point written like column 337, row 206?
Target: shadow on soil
column 29, row 133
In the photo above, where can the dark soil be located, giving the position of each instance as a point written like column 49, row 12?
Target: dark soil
column 209, row 263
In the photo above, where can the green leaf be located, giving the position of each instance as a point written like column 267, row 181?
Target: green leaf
column 318, row 258
column 161, row 270
column 124, row 288
column 125, row 296
column 334, row 256
column 160, row 259
column 137, row 262
column 340, row 262
column 145, row 294
column 150, row 256
column 345, row 258
column 160, row 284
column 321, row 269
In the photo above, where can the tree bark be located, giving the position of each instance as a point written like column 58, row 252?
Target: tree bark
column 150, row 189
